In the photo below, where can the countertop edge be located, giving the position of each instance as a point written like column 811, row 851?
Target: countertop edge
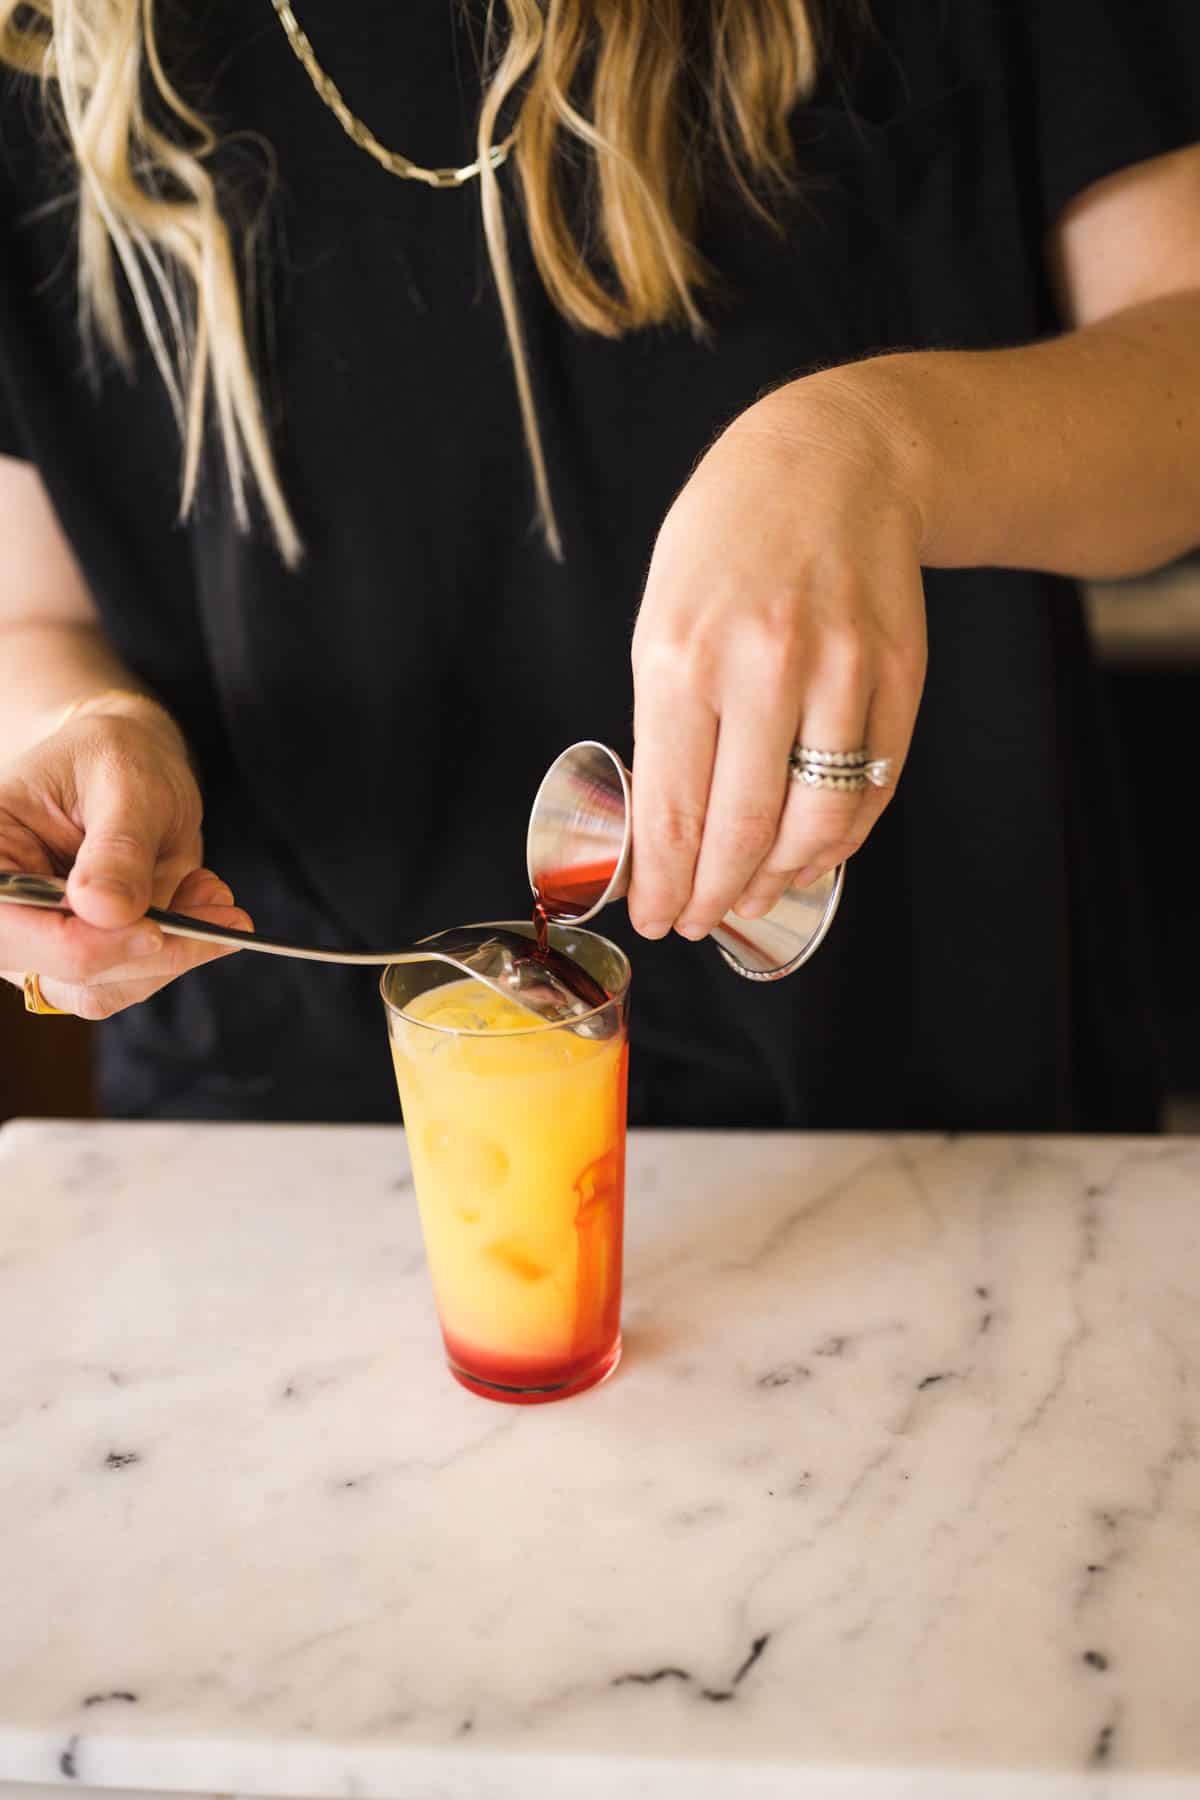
column 312, row 1772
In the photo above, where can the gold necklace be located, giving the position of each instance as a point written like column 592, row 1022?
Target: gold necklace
column 361, row 134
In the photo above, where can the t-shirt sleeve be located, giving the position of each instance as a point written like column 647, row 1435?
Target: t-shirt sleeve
column 1114, row 82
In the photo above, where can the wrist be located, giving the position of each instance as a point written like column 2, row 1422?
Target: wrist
column 125, row 703
column 860, row 417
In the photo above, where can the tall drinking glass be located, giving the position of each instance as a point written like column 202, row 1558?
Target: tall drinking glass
column 516, row 1133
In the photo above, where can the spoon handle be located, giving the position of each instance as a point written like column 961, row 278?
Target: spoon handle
column 48, row 892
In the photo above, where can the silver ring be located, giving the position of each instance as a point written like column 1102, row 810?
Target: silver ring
column 830, row 759
column 840, row 771
column 846, row 781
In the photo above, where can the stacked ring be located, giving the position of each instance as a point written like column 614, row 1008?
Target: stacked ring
column 830, row 759
column 849, row 781
column 842, row 771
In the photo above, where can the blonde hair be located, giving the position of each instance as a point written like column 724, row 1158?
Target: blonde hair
column 649, row 88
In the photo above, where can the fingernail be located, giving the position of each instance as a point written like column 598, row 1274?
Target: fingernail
column 654, row 928
column 222, row 895
column 148, row 942
column 693, row 933
column 109, row 884
column 752, row 909
column 803, row 877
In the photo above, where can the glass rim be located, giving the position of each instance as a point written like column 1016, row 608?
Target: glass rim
column 616, row 998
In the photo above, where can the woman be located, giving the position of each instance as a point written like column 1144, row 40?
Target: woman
column 928, row 286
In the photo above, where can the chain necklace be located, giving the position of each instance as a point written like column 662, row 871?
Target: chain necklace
column 361, row 134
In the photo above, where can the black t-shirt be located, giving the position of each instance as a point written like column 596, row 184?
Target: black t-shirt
column 372, row 728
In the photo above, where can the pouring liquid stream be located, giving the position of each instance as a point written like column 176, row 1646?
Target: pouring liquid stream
column 564, row 895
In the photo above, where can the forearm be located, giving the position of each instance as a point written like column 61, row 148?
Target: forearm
column 44, row 667
column 1080, row 455
column 53, row 650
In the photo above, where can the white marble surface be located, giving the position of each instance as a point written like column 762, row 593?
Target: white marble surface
column 896, row 1493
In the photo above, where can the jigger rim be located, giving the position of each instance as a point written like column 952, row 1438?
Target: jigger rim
column 619, row 881
column 835, row 880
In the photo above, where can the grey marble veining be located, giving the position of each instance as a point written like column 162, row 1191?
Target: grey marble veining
column 897, row 1491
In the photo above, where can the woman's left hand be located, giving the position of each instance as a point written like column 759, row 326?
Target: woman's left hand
column 784, row 604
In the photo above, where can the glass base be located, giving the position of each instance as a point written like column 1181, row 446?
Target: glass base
column 577, row 1381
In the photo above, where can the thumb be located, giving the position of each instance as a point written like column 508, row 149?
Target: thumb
column 110, row 882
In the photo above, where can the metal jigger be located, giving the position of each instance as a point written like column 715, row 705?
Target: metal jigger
column 578, row 856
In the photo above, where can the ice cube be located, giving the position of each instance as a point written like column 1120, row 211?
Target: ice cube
column 551, row 997
column 460, row 1018
column 517, row 1261
column 466, row 1158
column 537, row 987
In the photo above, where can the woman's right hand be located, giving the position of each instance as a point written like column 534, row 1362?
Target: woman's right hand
column 110, row 801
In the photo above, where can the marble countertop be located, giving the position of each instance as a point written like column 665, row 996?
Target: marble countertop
column 896, row 1493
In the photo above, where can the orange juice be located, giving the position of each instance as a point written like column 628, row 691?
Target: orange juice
column 516, row 1132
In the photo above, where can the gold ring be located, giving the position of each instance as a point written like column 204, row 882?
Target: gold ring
column 36, row 1001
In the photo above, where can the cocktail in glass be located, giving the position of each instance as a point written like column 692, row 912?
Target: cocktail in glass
column 516, row 1133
